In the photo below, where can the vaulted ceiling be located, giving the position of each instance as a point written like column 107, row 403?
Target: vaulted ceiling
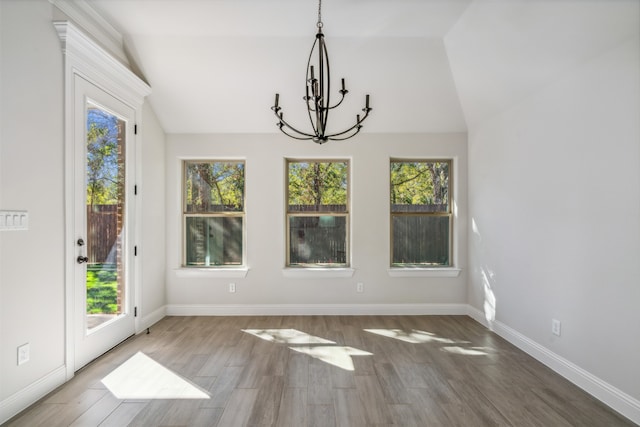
column 429, row 65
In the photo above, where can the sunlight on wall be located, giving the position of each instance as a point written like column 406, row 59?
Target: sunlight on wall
column 489, row 297
column 474, row 228
column 141, row 377
column 488, row 278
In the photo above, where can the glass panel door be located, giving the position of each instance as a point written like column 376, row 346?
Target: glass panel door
column 103, row 217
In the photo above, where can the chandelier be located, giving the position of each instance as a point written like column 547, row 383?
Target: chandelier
column 317, row 97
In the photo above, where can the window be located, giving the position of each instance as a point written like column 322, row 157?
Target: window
column 317, row 213
column 421, row 218
column 213, row 194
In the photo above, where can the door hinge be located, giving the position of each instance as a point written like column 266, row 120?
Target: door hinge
column 135, row 129
column 135, row 311
column 135, row 190
column 135, row 251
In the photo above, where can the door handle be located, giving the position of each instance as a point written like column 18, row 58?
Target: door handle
column 82, row 259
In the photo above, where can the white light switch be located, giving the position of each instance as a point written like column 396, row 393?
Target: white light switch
column 14, row 220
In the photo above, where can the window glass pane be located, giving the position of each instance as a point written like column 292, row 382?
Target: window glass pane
column 214, row 187
column 213, row 241
column 317, row 186
column 317, row 240
column 420, row 240
column 419, row 186
column 105, row 206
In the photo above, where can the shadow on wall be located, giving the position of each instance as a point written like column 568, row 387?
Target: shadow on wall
column 487, row 275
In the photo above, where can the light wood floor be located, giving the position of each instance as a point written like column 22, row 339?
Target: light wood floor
column 420, row 371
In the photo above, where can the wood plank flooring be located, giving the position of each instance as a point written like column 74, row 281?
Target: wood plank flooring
column 326, row 371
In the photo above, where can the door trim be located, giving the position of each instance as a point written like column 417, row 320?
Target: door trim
column 85, row 58
column 90, row 344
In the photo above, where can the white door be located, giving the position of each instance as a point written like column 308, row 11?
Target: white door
column 103, row 222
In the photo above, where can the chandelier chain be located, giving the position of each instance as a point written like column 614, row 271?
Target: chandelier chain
column 319, row 14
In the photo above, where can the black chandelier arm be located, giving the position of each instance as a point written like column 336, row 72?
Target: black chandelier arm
column 342, row 92
column 345, row 133
column 358, row 125
column 282, row 122
column 306, row 138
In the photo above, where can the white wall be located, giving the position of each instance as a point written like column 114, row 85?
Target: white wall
column 31, row 263
column 557, row 217
column 152, row 225
column 554, row 185
column 265, row 181
column 32, row 281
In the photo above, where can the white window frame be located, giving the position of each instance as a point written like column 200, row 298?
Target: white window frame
column 450, row 270
column 318, row 271
column 210, row 214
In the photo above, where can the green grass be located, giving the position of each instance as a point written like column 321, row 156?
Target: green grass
column 102, row 289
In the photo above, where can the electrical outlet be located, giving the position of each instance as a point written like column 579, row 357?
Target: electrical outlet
column 23, row 354
column 232, row 287
column 360, row 287
column 555, row 327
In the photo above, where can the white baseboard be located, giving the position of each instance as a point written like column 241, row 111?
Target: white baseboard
column 314, row 309
column 17, row 402
column 151, row 318
column 601, row 390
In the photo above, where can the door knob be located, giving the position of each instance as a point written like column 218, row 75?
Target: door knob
column 81, row 259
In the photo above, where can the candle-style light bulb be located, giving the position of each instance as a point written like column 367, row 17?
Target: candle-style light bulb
column 367, row 102
column 277, row 99
column 343, row 85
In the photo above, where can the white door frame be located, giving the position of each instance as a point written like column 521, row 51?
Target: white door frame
column 91, row 344
column 85, row 58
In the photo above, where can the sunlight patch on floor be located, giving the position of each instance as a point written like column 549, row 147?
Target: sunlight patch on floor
column 413, row 337
column 471, row 351
column 287, row 336
column 141, row 377
column 421, row 337
column 319, row 348
column 339, row 356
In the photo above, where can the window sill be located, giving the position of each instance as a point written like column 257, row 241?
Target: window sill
column 219, row 273
column 424, row 272
column 317, row 273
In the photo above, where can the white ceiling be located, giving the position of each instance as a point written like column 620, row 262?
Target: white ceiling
column 215, row 65
column 501, row 51
column 429, row 65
